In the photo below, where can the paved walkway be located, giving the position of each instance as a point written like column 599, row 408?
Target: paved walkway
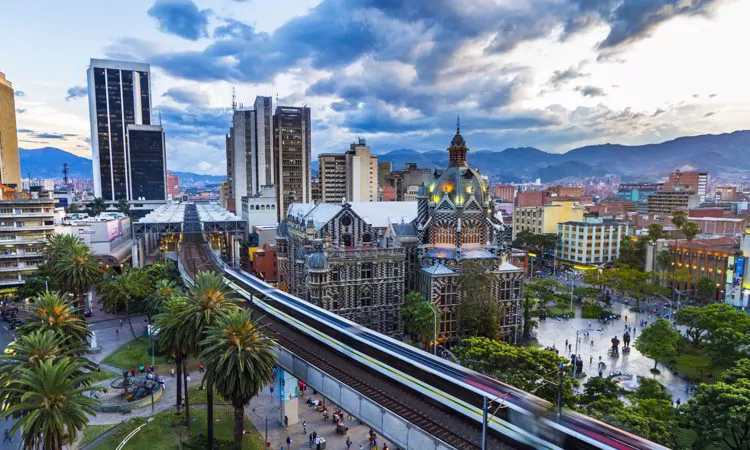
column 263, row 405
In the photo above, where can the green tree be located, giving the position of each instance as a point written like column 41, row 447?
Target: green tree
column 125, row 292
column 163, row 291
column 631, row 282
column 479, row 312
column 598, row 388
column 648, row 388
column 51, row 312
column 703, row 322
column 419, row 316
column 76, row 270
column 52, row 407
column 679, row 219
column 664, row 260
column 172, row 340
column 690, row 230
column 705, row 288
column 740, row 370
column 208, row 299
column 539, row 244
column 123, row 206
column 241, row 361
column 57, row 244
column 96, row 207
column 72, row 208
column 658, row 341
column 531, row 369
column 721, row 413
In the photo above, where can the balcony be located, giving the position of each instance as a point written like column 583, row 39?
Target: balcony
column 10, row 281
column 21, row 215
column 19, row 254
column 28, row 228
column 19, row 268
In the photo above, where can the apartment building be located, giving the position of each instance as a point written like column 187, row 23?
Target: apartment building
column 544, row 219
column 593, row 241
column 667, row 202
column 25, row 226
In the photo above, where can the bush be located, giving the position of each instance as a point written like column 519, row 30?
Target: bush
column 592, row 311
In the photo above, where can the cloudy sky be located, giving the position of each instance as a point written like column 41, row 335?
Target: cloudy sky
column 553, row 74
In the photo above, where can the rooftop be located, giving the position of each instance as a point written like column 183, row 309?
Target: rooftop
column 377, row 214
column 169, row 213
column 213, row 212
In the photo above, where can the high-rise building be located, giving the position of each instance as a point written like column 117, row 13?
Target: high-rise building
column 241, row 135
column 261, row 146
column 119, row 95
column 384, row 169
column 332, row 174
column 412, row 175
column 292, row 151
column 147, row 169
column 10, row 165
column 688, row 181
column 592, row 241
column 228, row 191
column 667, row 202
column 173, row 185
column 505, row 193
column 362, row 173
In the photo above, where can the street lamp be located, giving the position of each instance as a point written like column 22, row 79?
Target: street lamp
column 433, row 308
column 578, row 333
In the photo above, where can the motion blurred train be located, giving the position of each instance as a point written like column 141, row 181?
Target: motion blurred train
column 524, row 421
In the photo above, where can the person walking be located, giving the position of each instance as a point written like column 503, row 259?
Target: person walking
column 310, row 440
column 304, row 426
column 171, row 372
column 288, row 442
column 348, row 442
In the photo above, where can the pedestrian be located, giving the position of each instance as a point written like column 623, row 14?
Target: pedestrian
column 171, row 372
column 163, row 387
column 310, row 440
column 592, row 342
column 678, row 402
column 304, row 426
column 566, row 342
column 317, row 443
column 591, row 360
column 286, row 422
column 348, row 442
column 188, row 378
column 117, row 332
column 360, row 447
column 271, row 390
column 289, row 442
column 202, row 368
column 121, row 323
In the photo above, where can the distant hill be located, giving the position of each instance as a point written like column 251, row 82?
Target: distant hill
column 48, row 162
column 720, row 154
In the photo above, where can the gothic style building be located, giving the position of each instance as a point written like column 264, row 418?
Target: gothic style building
column 455, row 223
column 339, row 258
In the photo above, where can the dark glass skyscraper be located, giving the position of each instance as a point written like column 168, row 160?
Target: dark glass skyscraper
column 119, row 95
column 146, row 163
column 292, row 148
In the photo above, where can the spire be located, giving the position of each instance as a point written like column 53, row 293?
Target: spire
column 458, row 124
column 458, row 149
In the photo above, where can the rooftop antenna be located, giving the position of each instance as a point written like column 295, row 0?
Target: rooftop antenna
column 234, row 98
column 159, row 118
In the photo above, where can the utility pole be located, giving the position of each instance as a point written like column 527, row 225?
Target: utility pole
column 484, row 422
column 559, row 392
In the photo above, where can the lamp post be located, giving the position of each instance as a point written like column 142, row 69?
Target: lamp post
column 578, row 333
column 433, row 308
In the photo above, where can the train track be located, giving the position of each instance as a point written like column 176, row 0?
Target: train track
column 456, row 431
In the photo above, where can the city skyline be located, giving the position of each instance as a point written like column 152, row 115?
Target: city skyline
column 550, row 75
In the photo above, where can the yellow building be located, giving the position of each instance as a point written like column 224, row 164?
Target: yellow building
column 10, row 165
column 544, row 219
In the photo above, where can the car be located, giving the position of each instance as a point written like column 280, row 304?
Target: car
column 15, row 324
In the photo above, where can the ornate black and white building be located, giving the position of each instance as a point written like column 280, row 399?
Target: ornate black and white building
column 455, row 223
column 339, row 258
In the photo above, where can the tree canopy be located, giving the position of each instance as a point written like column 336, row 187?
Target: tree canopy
column 419, row 316
column 703, row 322
column 479, row 313
column 721, row 413
column 535, row 243
column 658, row 341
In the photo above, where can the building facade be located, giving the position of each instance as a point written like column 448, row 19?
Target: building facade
column 362, row 173
column 332, row 175
column 667, row 202
column 693, row 181
column 505, row 193
column 455, row 225
column 384, row 169
column 400, row 180
column 10, row 163
column 25, row 226
column 594, row 241
column 146, row 163
column 335, row 258
column 173, row 186
column 119, row 96
column 260, row 209
column 638, row 193
column 544, row 219
column 292, row 155
column 109, row 236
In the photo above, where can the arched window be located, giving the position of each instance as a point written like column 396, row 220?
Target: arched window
column 443, row 233
column 471, row 233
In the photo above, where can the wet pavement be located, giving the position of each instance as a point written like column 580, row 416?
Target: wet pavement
column 554, row 332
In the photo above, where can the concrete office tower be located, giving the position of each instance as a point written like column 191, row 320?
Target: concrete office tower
column 243, row 126
column 332, row 174
column 10, row 165
column 230, row 172
column 362, row 173
column 292, row 150
column 261, row 145
column 147, row 168
column 119, row 95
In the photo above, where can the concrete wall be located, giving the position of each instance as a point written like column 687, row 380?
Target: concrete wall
column 383, row 421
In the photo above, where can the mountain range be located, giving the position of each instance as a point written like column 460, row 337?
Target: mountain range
column 47, row 162
column 723, row 155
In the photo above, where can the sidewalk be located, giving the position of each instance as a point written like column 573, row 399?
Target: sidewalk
column 263, row 405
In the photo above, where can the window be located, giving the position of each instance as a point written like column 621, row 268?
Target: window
column 346, row 220
column 365, row 297
column 366, row 271
column 443, row 234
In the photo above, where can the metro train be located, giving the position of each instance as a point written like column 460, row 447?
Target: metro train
column 524, row 419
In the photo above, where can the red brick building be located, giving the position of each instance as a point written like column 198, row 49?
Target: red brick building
column 566, row 191
column 263, row 263
column 173, row 185
column 505, row 193
column 532, row 198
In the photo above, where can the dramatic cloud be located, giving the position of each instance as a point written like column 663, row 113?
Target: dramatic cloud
column 187, row 96
column 181, row 18
column 18, row 93
column 563, row 76
column 591, row 91
column 77, row 92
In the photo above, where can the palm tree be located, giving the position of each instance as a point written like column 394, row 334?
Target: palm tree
column 690, row 230
column 171, row 337
column 51, row 312
column 664, row 258
column 77, row 270
column 163, row 291
column 208, row 298
column 679, row 218
column 97, row 206
column 52, row 406
column 122, row 291
column 654, row 233
column 241, row 360
column 57, row 244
